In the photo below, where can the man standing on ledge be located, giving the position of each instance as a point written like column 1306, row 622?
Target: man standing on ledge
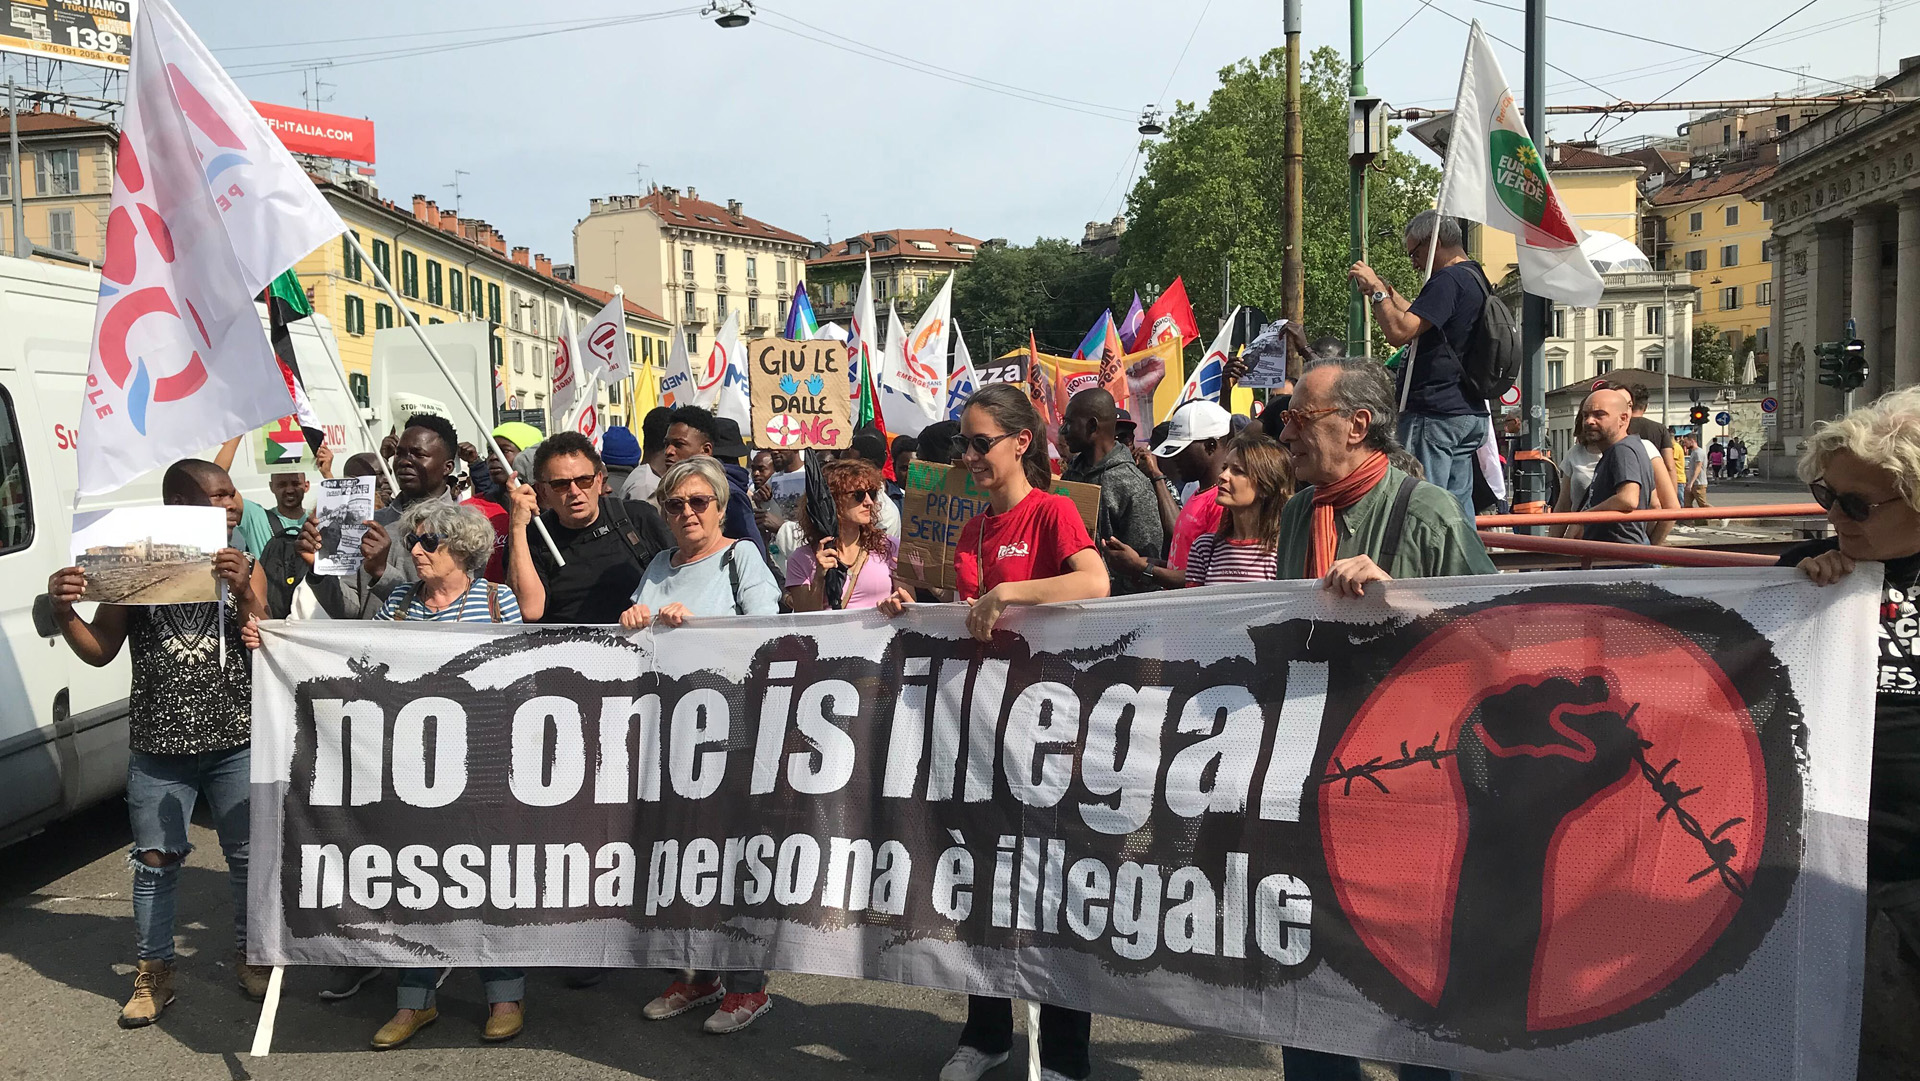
column 1443, row 423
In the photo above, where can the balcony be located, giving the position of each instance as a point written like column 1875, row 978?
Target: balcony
column 696, row 317
column 758, row 321
column 720, row 280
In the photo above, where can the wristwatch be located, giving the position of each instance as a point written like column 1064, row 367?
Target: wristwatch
column 1379, row 295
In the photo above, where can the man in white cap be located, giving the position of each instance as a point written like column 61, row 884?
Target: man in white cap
column 1194, row 451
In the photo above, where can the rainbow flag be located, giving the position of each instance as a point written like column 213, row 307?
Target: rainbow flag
column 801, row 325
column 1095, row 342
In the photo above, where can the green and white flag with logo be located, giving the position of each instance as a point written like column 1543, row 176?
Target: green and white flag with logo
column 1495, row 175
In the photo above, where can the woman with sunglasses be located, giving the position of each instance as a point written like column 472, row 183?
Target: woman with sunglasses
column 705, row 574
column 449, row 546
column 861, row 546
column 1029, row 547
column 1255, row 484
column 1865, row 470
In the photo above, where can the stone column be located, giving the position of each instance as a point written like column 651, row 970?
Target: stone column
column 1865, row 289
column 1776, row 315
column 1906, row 304
column 1826, row 317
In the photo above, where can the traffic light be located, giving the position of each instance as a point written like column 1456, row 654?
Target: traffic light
column 1698, row 415
column 1843, row 365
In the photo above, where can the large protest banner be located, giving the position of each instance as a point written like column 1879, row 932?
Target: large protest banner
column 1552, row 826
column 939, row 501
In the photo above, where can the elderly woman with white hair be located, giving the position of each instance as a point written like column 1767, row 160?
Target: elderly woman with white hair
column 705, row 574
column 1865, row 470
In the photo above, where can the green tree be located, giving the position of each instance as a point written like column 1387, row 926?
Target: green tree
column 1213, row 190
column 1051, row 287
column 1712, row 359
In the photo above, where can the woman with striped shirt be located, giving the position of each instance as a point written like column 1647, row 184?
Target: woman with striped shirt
column 1255, row 484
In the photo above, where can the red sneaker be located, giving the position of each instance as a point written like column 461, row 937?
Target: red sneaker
column 737, row 1012
column 679, row 998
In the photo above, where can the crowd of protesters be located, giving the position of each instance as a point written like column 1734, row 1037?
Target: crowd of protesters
column 1333, row 483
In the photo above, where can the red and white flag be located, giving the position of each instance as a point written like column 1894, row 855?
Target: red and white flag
column 208, row 209
column 603, row 344
column 566, row 373
column 587, row 423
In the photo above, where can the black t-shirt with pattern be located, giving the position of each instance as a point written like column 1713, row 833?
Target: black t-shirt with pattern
column 184, row 701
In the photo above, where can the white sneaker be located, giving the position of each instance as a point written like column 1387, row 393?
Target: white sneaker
column 970, row 1064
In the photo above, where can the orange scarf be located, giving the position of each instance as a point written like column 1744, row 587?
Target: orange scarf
column 1338, row 496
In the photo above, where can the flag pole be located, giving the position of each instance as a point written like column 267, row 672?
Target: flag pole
column 1439, row 208
column 340, row 369
column 419, row 332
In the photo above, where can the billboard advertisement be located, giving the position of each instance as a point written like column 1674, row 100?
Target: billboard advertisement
column 96, row 32
column 323, row 134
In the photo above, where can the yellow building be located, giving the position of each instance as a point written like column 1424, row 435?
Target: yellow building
column 66, row 184
column 1706, row 225
column 450, row 268
column 1600, row 191
column 698, row 261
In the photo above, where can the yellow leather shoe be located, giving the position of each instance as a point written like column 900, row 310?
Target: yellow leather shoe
column 504, row 1026
column 396, row 1032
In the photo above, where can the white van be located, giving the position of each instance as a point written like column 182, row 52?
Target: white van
column 63, row 724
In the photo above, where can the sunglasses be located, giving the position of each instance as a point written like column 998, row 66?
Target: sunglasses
column 428, row 542
column 1297, row 417
column 865, row 495
column 559, row 485
column 979, row 444
column 679, row 503
column 1853, row 506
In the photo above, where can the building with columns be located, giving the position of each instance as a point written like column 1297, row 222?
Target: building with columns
column 1846, row 232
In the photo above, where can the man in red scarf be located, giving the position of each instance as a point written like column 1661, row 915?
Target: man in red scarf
column 1356, row 519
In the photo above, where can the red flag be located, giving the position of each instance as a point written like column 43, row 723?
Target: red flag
column 1170, row 314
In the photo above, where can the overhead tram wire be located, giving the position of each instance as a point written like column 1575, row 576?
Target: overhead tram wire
column 1640, row 108
column 583, row 24
column 1582, row 81
column 1133, row 162
column 286, row 66
column 1424, row 5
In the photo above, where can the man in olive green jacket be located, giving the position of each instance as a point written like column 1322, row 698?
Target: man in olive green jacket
column 1362, row 520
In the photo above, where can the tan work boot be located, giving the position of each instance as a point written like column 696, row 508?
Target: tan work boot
column 152, row 993
column 253, row 978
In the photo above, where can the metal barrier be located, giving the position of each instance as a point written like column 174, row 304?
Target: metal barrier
column 1587, row 551
column 1686, row 514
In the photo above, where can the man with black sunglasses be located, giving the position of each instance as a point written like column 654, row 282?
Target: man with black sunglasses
column 424, row 457
column 607, row 542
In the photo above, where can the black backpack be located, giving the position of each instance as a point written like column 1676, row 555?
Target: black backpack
column 1492, row 357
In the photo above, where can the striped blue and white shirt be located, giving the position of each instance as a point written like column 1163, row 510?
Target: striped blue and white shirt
column 402, row 604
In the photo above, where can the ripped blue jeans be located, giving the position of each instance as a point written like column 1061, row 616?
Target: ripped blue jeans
column 161, row 792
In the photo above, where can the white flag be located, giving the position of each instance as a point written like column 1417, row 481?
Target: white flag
column 902, row 413
column 964, row 380
column 863, row 348
column 605, row 342
column 1209, row 376
column 208, row 208
column 917, row 370
column 566, row 374
column 1495, row 175
column 729, row 359
column 587, row 423
column 676, row 383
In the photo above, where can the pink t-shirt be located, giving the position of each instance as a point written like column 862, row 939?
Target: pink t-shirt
column 873, row 585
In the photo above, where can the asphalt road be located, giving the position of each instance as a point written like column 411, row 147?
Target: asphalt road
column 66, row 949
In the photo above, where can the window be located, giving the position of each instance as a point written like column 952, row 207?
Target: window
column 1559, row 322
column 613, row 394
column 1603, row 365
column 783, row 311
column 686, row 260
column 383, row 258
column 1783, row 123
column 494, row 351
column 1726, row 134
column 1733, row 215
column 753, row 309
column 349, row 258
column 1556, row 373
column 514, row 311
column 633, row 352
column 553, row 318
column 435, row 295
column 780, row 270
column 6, row 177
column 1730, row 298
column 356, row 316
column 382, row 317
column 519, row 358
column 1656, row 320
column 690, row 308
column 1603, row 322
column 1697, row 259
column 533, row 317
column 720, row 263
column 720, row 307
column 646, row 349
column 753, row 270
column 474, row 295
column 879, row 288
column 16, row 504
column 1766, row 251
column 456, row 291
column 434, row 321
column 1730, row 255
column 409, row 274
column 360, row 388
column 1763, row 294
column 693, row 343
column 539, row 361
column 1693, row 222
column 1760, row 338
column 1766, row 211
column 56, row 172
column 60, row 230
column 493, row 303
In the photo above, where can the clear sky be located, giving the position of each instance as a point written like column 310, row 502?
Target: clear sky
column 795, row 116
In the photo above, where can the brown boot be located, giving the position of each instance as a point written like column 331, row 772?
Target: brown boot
column 253, row 978
column 152, row 993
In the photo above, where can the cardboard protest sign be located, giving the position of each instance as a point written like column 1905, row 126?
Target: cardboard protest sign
column 799, row 394
column 940, row 500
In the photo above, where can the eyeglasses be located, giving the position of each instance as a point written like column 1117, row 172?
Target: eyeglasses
column 1853, row 506
column 679, row 503
column 1298, row 417
column 559, row 485
column 979, row 444
column 865, row 495
column 428, row 542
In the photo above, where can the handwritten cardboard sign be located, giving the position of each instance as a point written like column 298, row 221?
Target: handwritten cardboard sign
column 799, row 393
column 940, row 501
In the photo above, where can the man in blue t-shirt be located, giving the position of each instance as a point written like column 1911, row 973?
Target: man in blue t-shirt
column 1441, row 425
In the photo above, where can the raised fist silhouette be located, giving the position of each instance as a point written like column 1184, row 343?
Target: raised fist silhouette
column 1528, row 757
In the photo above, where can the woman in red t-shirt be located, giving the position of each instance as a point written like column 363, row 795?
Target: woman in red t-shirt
column 1255, row 483
column 1030, row 547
